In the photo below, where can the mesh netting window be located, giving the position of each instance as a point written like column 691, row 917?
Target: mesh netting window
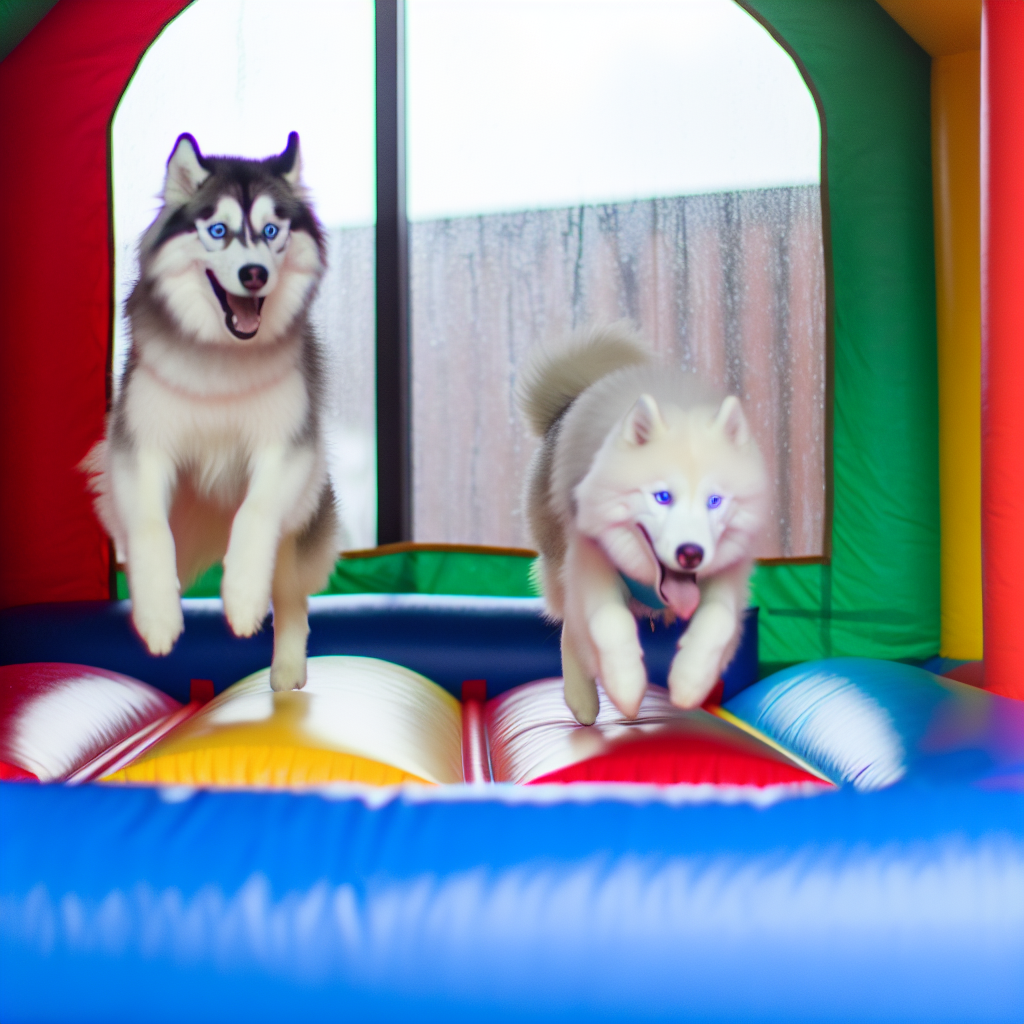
column 263, row 75
column 678, row 189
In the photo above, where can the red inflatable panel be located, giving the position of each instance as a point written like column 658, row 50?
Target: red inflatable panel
column 970, row 672
column 687, row 757
column 56, row 718
column 12, row 773
column 1002, row 344
column 534, row 739
column 58, row 91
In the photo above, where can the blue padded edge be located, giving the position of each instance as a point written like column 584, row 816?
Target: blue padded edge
column 870, row 723
column 505, row 640
column 118, row 905
column 940, row 665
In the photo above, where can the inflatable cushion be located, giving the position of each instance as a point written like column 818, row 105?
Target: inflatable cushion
column 535, row 739
column 55, row 718
column 357, row 720
column 870, row 723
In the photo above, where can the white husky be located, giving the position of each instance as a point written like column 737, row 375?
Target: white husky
column 644, row 476
column 214, row 449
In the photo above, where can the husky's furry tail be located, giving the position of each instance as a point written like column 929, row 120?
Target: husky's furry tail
column 96, row 466
column 554, row 378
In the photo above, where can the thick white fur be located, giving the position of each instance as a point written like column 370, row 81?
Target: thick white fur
column 637, row 430
column 213, row 469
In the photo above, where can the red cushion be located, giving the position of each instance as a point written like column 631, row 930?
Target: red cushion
column 12, row 773
column 667, row 758
column 55, row 718
column 535, row 739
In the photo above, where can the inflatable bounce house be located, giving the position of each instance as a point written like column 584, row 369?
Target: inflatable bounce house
column 424, row 832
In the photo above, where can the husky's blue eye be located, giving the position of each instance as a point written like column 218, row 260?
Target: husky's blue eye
column 663, row 497
column 217, row 230
column 270, row 231
column 714, row 501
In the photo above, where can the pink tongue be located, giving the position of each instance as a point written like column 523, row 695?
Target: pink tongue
column 246, row 310
column 680, row 593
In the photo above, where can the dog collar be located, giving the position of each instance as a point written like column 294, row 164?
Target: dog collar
column 641, row 592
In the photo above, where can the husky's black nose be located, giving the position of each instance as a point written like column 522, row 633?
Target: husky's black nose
column 253, row 276
column 689, row 556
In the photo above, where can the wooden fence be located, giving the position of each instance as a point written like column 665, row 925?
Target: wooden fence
column 728, row 285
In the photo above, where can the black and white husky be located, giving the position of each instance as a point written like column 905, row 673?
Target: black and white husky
column 214, row 448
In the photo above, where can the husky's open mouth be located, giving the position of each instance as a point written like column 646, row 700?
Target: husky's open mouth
column 677, row 589
column 241, row 312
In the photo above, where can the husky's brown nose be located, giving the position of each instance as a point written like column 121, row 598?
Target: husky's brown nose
column 253, row 276
column 689, row 556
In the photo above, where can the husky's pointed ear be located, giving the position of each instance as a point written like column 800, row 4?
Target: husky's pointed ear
column 186, row 171
column 288, row 164
column 643, row 422
column 731, row 421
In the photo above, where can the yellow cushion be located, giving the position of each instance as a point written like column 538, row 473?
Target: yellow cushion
column 357, row 720
column 253, row 765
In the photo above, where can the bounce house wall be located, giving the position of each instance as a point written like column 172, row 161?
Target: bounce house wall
column 17, row 19
column 956, row 112
column 879, row 594
column 58, row 91
column 1002, row 354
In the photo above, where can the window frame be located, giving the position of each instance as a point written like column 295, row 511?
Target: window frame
column 393, row 336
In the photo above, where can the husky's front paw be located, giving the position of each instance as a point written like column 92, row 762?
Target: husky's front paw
column 702, row 656
column 579, row 688
column 288, row 673
column 246, row 603
column 623, row 677
column 157, row 619
column 691, row 679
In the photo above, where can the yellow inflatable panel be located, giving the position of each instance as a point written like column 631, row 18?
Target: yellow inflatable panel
column 270, row 767
column 956, row 160
column 356, row 720
column 939, row 26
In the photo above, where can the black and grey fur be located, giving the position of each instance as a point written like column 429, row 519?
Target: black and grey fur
column 214, row 447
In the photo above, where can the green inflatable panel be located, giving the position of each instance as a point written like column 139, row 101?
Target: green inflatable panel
column 878, row 594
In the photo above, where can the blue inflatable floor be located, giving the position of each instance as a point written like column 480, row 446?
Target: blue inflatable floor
column 899, row 896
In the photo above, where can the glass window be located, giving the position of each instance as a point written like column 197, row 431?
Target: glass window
column 239, row 75
column 572, row 162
